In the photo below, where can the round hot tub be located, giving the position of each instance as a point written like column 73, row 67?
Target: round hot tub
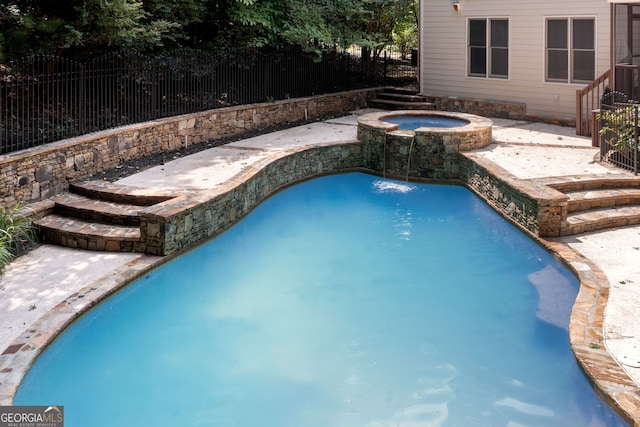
column 420, row 143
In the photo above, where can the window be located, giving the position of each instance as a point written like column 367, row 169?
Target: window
column 570, row 51
column 489, row 48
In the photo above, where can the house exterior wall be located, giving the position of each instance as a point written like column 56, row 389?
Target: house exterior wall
column 443, row 59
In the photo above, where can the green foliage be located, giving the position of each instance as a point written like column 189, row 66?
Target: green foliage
column 317, row 24
column 405, row 33
column 405, row 38
column 90, row 27
column 17, row 234
column 618, row 127
column 95, row 26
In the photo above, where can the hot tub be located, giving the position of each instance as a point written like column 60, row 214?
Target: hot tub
column 420, row 143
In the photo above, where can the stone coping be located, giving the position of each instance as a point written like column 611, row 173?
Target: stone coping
column 377, row 120
column 585, row 329
column 38, row 173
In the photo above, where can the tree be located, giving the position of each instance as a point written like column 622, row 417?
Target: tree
column 405, row 34
column 93, row 26
column 78, row 27
column 315, row 24
column 121, row 24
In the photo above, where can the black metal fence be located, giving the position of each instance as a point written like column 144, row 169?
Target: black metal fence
column 48, row 98
column 619, row 135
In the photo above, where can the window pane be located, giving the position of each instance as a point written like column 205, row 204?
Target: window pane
column 500, row 62
column 477, row 32
column 557, row 33
column 583, row 65
column 478, row 61
column 635, row 38
column 500, row 33
column 557, row 65
column 583, row 37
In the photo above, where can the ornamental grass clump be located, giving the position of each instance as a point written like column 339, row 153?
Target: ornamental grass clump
column 17, row 234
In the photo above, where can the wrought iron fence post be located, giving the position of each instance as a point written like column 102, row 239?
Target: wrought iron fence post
column 635, row 139
column 154, row 89
column 384, row 69
column 82, row 101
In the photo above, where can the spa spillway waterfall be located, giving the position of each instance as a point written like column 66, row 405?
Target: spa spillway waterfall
column 428, row 151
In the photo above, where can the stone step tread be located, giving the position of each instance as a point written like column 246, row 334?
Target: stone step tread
column 600, row 198
column 104, row 190
column 612, row 214
column 401, row 97
column 402, row 90
column 93, row 229
column 86, row 204
column 596, row 193
column 387, row 103
column 585, row 200
column 585, row 183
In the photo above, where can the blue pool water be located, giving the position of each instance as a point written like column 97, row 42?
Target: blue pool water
column 342, row 301
column 414, row 122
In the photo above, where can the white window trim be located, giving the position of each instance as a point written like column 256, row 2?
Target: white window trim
column 467, row 74
column 544, row 49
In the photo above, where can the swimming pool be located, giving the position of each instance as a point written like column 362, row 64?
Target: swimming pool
column 345, row 300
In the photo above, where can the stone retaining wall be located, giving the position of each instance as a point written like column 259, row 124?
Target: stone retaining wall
column 481, row 107
column 537, row 208
column 495, row 108
column 193, row 217
column 41, row 172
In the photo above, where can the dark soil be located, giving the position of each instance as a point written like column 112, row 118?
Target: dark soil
column 137, row 165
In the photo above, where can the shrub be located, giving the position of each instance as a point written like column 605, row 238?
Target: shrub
column 17, row 234
column 618, row 127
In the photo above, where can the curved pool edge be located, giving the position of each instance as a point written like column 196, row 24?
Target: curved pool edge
column 606, row 375
column 586, row 334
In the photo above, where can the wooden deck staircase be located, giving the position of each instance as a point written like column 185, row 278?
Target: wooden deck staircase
column 588, row 101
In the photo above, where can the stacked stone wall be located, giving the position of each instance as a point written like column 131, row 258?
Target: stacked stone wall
column 182, row 222
column 495, row 108
column 534, row 206
column 481, row 107
column 42, row 172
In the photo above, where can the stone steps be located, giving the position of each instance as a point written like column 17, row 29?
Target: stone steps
column 78, row 206
column 592, row 182
column 585, row 200
column 388, row 104
column 400, row 99
column 403, row 97
column 598, row 219
column 599, row 202
column 107, row 191
column 98, row 215
column 78, row 233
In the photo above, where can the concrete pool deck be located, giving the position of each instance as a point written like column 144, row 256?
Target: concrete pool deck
column 35, row 283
